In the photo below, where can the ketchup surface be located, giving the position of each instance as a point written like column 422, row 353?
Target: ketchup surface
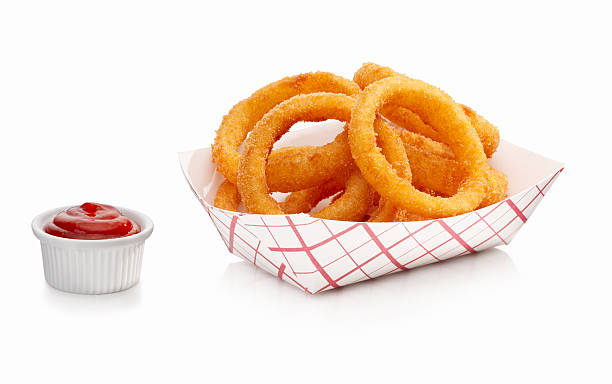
column 91, row 221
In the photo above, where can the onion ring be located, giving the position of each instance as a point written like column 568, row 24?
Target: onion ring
column 353, row 204
column 296, row 168
column 305, row 200
column 488, row 133
column 437, row 110
column 395, row 153
column 316, row 167
column 243, row 116
column 409, row 121
column 343, row 206
column 387, row 212
column 322, row 172
column 424, row 155
column 370, row 72
column 251, row 180
column 227, row 197
column 496, row 191
column 496, row 187
column 446, row 175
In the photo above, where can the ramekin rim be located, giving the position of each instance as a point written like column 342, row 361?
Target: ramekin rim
column 145, row 222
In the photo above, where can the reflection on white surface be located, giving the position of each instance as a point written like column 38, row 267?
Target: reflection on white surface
column 417, row 288
column 72, row 302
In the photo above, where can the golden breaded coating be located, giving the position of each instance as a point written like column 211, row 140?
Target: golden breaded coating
column 227, row 197
column 241, row 119
column 252, row 183
column 487, row 132
column 438, row 110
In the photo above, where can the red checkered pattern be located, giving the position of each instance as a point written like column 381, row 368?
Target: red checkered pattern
column 316, row 254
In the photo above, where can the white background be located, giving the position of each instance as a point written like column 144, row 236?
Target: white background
column 97, row 98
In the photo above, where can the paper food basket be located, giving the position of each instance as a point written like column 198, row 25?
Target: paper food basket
column 316, row 255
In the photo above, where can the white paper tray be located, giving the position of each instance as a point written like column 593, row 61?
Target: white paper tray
column 317, row 254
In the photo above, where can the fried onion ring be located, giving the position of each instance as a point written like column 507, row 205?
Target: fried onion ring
column 370, row 72
column 441, row 174
column 227, row 197
column 343, row 205
column 296, row 168
column 252, row 183
column 243, row 116
column 496, row 191
column 353, row 204
column 496, row 187
column 305, row 200
column 432, row 164
column 440, row 112
column 395, row 153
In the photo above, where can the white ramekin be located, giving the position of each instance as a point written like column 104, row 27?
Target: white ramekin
column 92, row 266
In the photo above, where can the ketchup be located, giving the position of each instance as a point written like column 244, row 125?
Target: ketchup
column 91, row 221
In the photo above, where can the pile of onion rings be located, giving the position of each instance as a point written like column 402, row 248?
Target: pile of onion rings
column 407, row 152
